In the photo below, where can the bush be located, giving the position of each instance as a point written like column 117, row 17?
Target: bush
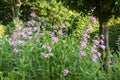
column 2, row 30
column 114, row 31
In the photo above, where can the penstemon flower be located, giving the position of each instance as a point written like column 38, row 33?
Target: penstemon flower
column 83, row 44
column 15, row 50
column 81, row 53
column 54, row 39
column 46, row 55
column 63, row 26
column 33, row 14
column 65, row 72
column 94, row 57
column 103, row 47
column 96, row 42
column 86, row 36
column 93, row 20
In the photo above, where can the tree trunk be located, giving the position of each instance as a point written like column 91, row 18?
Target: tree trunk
column 103, row 29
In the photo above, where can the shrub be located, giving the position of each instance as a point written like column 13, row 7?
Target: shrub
column 2, row 30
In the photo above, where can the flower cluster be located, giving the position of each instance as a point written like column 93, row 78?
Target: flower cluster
column 22, row 35
column 83, row 43
column 97, row 44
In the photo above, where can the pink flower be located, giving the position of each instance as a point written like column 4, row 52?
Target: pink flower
column 63, row 26
column 35, row 29
column 83, row 44
column 86, row 36
column 101, row 41
column 93, row 20
column 59, row 32
column 94, row 57
column 103, row 47
column 14, row 37
column 93, row 50
column 31, row 22
column 37, row 40
column 52, row 34
column 20, row 23
column 15, row 50
column 47, row 45
column 65, row 72
column 46, row 55
column 98, row 54
column 81, row 53
column 33, row 14
column 89, row 29
column 24, row 34
column 94, row 46
column 44, row 46
column 54, row 39
column 14, row 43
column 55, row 27
column 21, row 42
column 96, row 42
column 19, row 28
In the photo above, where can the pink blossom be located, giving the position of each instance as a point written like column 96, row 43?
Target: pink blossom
column 81, row 53
column 19, row 28
column 14, row 36
column 14, row 43
column 93, row 20
column 44, row 46
column 96, row 42
column 86, row 36
column 49, row 48
column 94, row 46
column 15, row 50
column 101, row 41
column 59, row 32
column 52, row 34
column 24, row 34
column 47, row 45
column 93, row 50
column 98, row 54
column 31, row 22
column 83, row 44
column 33, row 14
column 21, row 42
column 94, row 57
column 89, row 29
column 54, row 39
column 63, row 26
column 55, row 27
column 37, row 40
column 103, row 47
column 46, row 55
column 20, row 23
column 65, row 72
column 35, row 29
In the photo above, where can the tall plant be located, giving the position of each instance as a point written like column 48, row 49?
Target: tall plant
column 103, row 10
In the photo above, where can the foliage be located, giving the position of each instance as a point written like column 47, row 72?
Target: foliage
column 35, row 54
column 114, row 31
column 54, row 13
column 2, row 30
